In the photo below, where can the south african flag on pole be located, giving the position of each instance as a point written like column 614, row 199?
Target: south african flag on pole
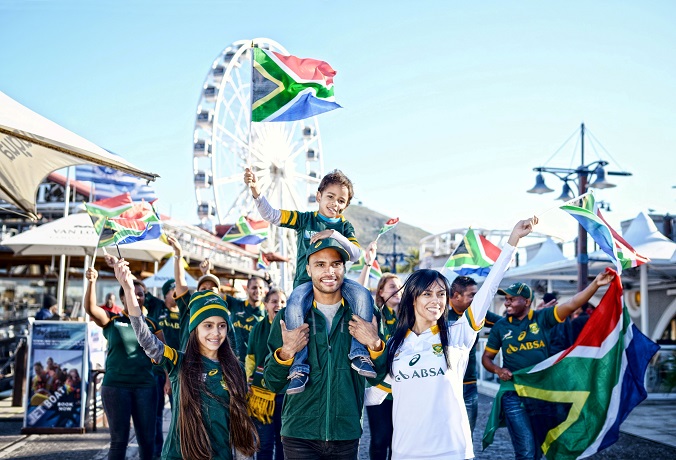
column 101, row 210
column 588, row 214
column 288, row 88
column 474, row 256
column 389, row 225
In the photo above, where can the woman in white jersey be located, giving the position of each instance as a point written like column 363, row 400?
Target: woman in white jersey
column 427, row 357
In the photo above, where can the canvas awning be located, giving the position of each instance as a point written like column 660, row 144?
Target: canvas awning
column 31, row 146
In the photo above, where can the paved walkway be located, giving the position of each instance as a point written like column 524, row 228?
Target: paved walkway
column 648, row 433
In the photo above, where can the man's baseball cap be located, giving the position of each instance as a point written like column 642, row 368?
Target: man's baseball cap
column 168, row 286
column 518, row 289
column 209, row 277
column 328, row 243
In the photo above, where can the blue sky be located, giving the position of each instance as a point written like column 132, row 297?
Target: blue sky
column 447, row 105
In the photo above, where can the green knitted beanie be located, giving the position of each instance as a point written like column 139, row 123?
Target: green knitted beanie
column 204, row 304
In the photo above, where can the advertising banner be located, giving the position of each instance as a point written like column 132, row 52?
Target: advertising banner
column 57, row 366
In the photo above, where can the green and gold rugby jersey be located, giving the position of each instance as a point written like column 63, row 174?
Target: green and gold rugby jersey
column 244, row 317
column 169, row 322
column 523, row 342
column 215, row 410
column 126, row 363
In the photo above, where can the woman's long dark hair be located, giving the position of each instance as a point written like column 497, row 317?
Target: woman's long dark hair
column 414, row 286
column 193, row 434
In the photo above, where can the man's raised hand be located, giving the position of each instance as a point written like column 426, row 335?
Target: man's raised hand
column 91, row 275
column 176, row 246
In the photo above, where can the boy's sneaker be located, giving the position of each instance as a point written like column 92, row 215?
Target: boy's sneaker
column 297, row 382
column 364, row 367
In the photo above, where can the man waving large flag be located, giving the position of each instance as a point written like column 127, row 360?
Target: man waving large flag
column 592, row 386
column 288, row 88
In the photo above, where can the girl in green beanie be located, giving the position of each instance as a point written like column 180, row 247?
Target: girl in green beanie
column 208, row 384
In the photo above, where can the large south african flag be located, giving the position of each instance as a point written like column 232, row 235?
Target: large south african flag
column 288, row 88
column 590, row 388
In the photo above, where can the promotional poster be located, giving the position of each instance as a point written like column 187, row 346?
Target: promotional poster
column 55, row 387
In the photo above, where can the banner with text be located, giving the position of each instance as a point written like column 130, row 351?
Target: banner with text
column 55, row 385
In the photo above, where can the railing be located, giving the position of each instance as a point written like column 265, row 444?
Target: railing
column 94, row 403
column 661, row 374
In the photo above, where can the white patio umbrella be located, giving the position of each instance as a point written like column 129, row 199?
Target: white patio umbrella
column 32, row 146
column 74, row 235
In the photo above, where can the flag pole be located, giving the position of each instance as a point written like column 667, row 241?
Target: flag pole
column 98, row 241
column 248, row 153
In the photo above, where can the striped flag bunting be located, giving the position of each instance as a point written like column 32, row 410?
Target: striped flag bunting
column 288, row 88
column 475, row 255
column 108, row 182
column 592, row 386
column 589, row 216
column 247, row 231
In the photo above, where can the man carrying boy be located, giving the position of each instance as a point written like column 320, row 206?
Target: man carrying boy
column 325, row 420
column 333, row 196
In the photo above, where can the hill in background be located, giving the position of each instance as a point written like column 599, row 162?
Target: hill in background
column 367, row 223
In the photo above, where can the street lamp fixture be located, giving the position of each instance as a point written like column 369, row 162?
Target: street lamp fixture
column 566, row 193
column 540, row 186
column 601, row 181
column 580, row 176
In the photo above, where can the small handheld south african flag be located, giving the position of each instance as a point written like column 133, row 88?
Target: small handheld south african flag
column 375, row 271
column 389, row 225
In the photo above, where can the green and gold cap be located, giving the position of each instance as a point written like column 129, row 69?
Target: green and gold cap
column 518, row 289
column 328, row 243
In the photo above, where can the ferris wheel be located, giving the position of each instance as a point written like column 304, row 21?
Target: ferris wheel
column 287, row 157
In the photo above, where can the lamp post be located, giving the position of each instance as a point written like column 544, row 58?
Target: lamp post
column 393, row 256
column 580, row 176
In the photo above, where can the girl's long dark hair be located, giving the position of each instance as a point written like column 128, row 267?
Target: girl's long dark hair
column 414, row 286
column 193, row 434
